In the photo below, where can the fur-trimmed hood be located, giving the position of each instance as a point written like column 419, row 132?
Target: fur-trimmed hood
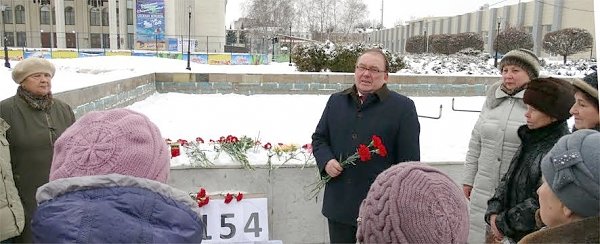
column 583, row 231
column 494, row 95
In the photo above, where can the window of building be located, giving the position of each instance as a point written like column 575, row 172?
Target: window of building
column 106, row 40
column 21, row 39
column 130, row 41
column 95, row 17
column 105, row 17
column 95, row 41
column 130, row 16
column 19, row 15
column 44, row 15
column 10, row 39
column 8, row 15
column 69, row 16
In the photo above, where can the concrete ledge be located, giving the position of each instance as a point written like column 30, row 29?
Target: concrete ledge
column 284, row 187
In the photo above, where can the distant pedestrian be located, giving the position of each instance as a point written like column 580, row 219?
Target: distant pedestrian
column 413, row 203
column 108, row 185
column 494, row 140
column 511, row 211
column 570, row 194
column 351, row 117
column 36, row 119
column 585, row 109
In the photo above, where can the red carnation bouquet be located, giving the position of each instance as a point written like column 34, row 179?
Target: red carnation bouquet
column 363, row 153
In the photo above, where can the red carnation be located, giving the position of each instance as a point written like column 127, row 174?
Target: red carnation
column 175, row 150
column 199, row 140
column 182, row 142
column 307, row 147
column 268, row 146
column 377, row 141
column 228, row 198
column 201, row 193
column 239, row 196
column 364, row 153
column 202, row 202
column 382, row 151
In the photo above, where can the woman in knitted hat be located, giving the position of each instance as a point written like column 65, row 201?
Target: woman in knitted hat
column 36, row 119
column 494, row 139
column 570, row 194
column 511, row 211
column 585, row 109
column 413, row 203
column 108, row 184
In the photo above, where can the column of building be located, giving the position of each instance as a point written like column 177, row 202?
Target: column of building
column 123, row 36
column 112, row 23
column 59, row 11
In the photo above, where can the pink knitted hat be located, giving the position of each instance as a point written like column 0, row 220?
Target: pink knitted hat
column 117, row 141
column 413, row 203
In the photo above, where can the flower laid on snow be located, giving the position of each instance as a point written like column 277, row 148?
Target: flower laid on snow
column 236, row 148
column 363, row 153
column 286, row 153
column 196, row 153
column 268, row 146
column 239, row 196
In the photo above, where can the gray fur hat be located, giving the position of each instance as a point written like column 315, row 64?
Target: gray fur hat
column 589, row 84
column 572, row 170
column 523, row 58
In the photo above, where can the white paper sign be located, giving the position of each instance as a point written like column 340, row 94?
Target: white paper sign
column 243, row 221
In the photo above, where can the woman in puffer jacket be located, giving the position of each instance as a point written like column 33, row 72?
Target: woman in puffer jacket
column 494, row 139
column 107, row 184
column 12, row 217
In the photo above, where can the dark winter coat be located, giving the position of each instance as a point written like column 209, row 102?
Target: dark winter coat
column 344, row 125
column 583, row 231
column 31, row 137
column 516, row 200
column 114, row 209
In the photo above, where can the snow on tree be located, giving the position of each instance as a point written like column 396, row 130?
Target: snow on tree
column 513, row 38
column 567, row 41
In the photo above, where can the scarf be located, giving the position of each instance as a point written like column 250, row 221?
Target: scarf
column 41, row 103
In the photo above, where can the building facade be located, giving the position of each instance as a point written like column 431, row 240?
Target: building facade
column 114, row 24
column 538, row 17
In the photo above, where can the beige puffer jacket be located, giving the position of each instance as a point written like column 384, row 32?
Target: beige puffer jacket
column 494, row 142
column 12, row 218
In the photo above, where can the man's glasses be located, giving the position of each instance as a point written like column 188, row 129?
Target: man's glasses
column 371, row 70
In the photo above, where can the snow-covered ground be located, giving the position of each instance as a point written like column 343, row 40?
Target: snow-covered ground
column 287, row 119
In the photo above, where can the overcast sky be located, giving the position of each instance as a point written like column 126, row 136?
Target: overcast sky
column 395, row 10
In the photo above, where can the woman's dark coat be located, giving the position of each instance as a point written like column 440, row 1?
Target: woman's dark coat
column 516, row 199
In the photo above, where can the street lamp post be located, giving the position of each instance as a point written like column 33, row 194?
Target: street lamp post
column 497, row 35
column 76, row 42
column 290, row 48
column 189, row 37
column 273, row 49
column 4, row 38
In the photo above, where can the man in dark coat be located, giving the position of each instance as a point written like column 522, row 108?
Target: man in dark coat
column 350, row 118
